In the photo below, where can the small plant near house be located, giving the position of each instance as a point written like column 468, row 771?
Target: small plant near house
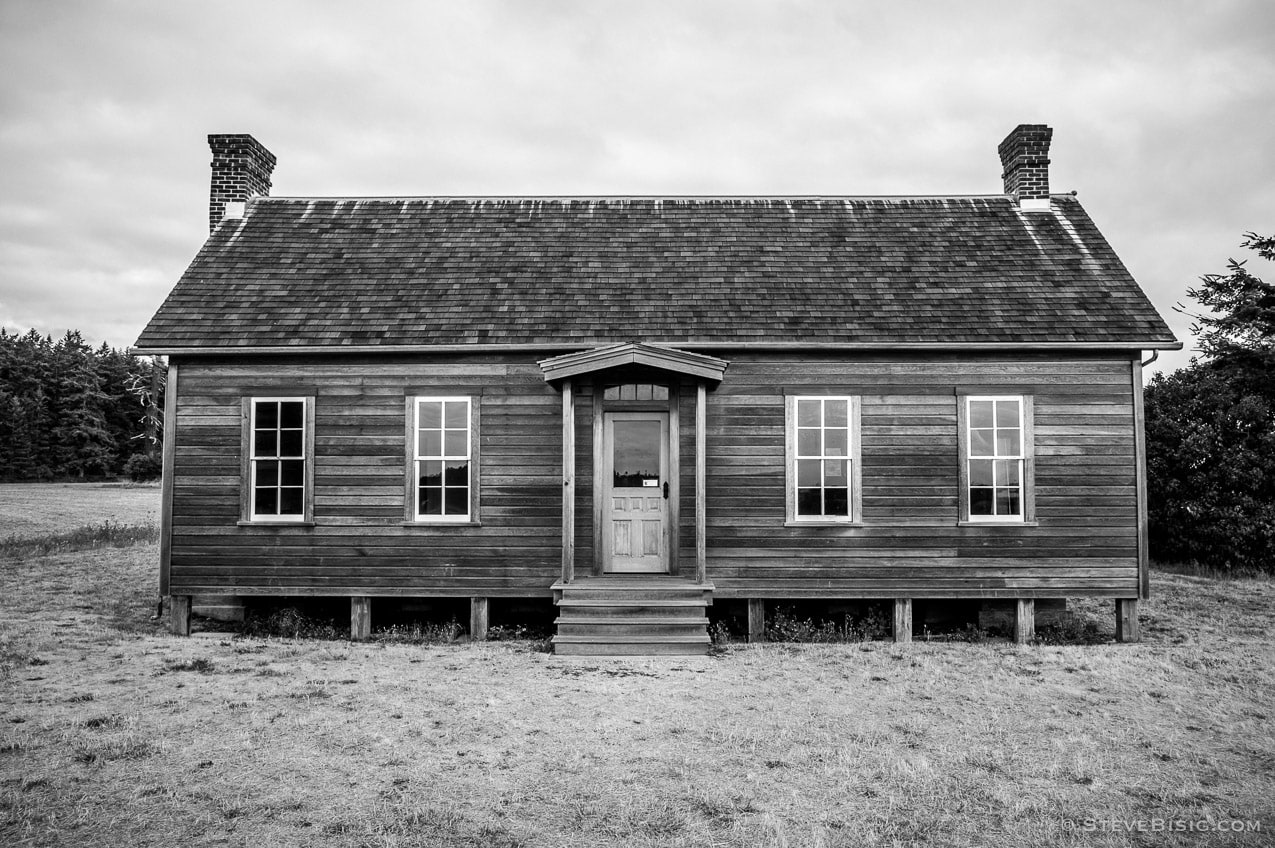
column 785, row 626
column 290, row 623
column 418, row 633
column 1072, row 629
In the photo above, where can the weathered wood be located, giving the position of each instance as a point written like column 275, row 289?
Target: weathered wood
column 1140, row 458
column 1025, row 621
column 478, row 619
column 1085, row 469
column 568, row 486
column 756, row 620
column 903, row 620
column 599, row 463
column 1127, row 627
column 701, row 482
column 179, row 614
column 167, row 481
column 674, row 516
column 360, row 618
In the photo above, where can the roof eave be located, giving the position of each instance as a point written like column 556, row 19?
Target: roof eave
column 547, row 347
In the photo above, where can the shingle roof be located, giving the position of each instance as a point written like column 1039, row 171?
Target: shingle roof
column 582, row 272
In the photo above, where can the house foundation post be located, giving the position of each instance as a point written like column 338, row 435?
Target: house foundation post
column 1025, row 621
column 478, row 619
column 360, row 618
column 903, row 620
column 179, row 615
column 756, row 620
column 1127, row 627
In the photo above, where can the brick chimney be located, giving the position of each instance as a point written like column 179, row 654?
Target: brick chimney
column 1025, row 158
column 241, row 169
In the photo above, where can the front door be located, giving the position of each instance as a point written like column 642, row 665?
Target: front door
column 635, row 481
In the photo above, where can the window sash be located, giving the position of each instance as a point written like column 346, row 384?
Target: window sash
column 276, row 470
column 440, row 457
column 996, row 459
column 822, row 465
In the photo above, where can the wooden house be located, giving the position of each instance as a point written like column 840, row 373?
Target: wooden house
column 637, row 405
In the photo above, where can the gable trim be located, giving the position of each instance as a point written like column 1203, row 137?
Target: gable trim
column 633, row 353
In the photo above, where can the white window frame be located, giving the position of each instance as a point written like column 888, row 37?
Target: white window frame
column 415, row 458
column 1024, row 458
column 249, row 512
column 853, row 460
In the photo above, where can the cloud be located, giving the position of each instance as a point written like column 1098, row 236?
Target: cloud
column 1161, row 110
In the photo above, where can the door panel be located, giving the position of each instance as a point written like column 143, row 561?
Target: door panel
column 636, row 452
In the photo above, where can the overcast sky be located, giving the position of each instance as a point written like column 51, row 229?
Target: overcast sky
column 1163, row 116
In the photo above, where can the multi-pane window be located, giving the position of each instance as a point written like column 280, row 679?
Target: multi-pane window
column 443, row 459
column 277, row 434
column 822, row 458
column 636, row 391
column 996, row 456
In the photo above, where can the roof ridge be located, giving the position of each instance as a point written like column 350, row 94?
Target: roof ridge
column 606, row 197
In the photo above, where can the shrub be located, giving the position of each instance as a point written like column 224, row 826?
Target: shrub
column 143, row 468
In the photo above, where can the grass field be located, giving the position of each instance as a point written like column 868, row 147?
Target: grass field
column 117, row 734
column 31, row 510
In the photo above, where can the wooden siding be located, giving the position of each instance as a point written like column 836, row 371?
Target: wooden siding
column 359, row 543
column 908, row 544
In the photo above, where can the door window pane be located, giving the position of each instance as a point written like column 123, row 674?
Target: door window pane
column 635, row 458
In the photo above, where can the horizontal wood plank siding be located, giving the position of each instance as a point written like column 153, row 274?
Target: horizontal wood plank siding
column 358, row 543
column 910, row 545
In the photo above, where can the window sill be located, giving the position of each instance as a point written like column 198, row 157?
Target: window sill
column 441, row 524
column 823, row 523
column 262, row 523
column 997, row 524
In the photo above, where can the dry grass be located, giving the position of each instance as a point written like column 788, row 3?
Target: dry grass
column 118, row 734
column 31, row 510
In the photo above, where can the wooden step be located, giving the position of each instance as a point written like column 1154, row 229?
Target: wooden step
column 618, row 629
column 619, row 616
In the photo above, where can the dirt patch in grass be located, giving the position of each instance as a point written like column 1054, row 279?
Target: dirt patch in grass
column 116, row 733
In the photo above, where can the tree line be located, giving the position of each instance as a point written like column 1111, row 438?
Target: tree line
column 71, row 411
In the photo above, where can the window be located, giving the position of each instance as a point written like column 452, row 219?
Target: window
column 996, row 458
column 636, row 391
column 822, row 453
column 278, row 477
column 443, row 476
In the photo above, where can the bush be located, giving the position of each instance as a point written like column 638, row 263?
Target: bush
column 784, row 626
column 143, row 468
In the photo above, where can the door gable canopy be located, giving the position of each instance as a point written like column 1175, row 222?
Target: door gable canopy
column 633, row 353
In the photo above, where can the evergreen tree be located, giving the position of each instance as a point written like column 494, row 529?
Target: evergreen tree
column 1211, row 430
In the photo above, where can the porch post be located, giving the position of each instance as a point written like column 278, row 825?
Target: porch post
column 701, row 538
column 568, row 483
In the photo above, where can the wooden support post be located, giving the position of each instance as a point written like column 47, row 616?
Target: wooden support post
column 701, row 511
column 568, row 491
column 756, row 620
column 179, row 615
column 903, row 620
column 360, row 617
column 1127, row 627
column 478, row 619
column 1025, row 621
